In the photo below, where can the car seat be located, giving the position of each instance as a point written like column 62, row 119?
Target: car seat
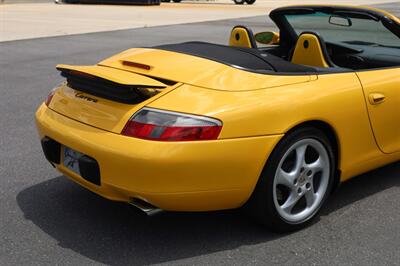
column 310, row 50
column 242, row 36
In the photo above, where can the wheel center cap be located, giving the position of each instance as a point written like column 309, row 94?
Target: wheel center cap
column 302, row 180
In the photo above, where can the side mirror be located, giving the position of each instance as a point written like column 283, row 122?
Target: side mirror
column 267, row 37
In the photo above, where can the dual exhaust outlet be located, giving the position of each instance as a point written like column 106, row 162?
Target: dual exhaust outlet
column 145, row 207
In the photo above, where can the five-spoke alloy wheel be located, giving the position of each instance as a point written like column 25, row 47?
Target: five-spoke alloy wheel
column 296, row 180
column 301, row 180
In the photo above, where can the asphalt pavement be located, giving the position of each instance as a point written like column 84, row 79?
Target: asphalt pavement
column 45, row 219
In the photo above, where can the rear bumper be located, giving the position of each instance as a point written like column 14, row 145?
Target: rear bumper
column 182, row 176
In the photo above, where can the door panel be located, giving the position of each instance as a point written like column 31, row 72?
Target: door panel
column 382, row 92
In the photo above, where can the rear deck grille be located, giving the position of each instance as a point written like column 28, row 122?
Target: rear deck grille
column 104, row 88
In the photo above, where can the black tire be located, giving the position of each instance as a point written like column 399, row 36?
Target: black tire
column 239, row 2
column 250, row 2
column 165, row 1
column 177, row 1
column 261, row 204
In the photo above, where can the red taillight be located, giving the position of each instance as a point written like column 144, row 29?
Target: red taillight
column 160, row 125
column 137, row 65
column 50, row 96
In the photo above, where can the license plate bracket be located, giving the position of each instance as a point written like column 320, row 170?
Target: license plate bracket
column 71, row 159
column 82, row 164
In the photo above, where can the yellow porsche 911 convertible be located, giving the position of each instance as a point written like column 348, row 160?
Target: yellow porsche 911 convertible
column 272, row 127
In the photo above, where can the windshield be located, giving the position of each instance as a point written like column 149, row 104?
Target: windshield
column 334, row 28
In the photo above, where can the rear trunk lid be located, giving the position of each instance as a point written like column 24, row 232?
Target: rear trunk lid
column 198, row 71
column 108, row 94
column 105, row 97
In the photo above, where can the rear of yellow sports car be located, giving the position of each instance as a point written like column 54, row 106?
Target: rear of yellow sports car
column 107, row 129
column 200, row 126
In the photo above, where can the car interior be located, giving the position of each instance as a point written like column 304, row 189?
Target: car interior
column 309, row 48
column 312, row 39
column 312, row 50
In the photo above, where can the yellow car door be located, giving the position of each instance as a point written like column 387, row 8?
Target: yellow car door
column 382, row 93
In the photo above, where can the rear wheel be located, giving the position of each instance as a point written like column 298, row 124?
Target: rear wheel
column 295, row 182
column 250, row 2
column 177, row 1
column 239, row 2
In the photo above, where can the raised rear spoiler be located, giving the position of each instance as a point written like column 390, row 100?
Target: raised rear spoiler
column 110, row 83
column 111, row 74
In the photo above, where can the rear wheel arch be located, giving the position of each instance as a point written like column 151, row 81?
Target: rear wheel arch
column 261, row 203
column 331, row 134
column 328, row 131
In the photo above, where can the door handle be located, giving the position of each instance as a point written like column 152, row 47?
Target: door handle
column 376, row 98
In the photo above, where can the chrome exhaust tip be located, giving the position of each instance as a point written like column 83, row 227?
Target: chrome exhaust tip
column 145, row 207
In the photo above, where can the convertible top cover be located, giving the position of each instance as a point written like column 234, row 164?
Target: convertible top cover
column 243, row 58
